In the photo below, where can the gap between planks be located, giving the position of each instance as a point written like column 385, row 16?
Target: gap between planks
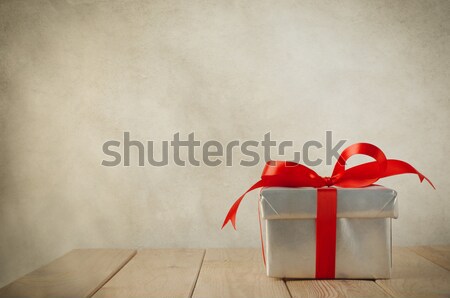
column 198, row 273
column 416, row 276
column 156, row 273
column 79, row 273
column 236, row 273
column 112, row 275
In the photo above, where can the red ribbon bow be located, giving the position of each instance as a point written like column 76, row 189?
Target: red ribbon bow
column 291, row 174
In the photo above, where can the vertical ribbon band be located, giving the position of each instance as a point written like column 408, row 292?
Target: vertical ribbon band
column 326, row 233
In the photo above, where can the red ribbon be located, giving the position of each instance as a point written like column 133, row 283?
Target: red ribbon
column 291, row 174
column 326, row 232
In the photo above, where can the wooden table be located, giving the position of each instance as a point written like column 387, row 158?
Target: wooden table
column 417, row 272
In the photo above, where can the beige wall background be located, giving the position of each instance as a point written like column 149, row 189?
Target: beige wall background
column 75, row 74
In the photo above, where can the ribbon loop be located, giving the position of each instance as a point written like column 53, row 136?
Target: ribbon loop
column 363, row 177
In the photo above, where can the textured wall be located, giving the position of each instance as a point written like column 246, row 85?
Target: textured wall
column 74, row 74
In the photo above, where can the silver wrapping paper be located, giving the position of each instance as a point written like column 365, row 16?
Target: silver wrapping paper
column 363, row 232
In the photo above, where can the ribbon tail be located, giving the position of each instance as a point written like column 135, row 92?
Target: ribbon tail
column 397, row 167
column 231, row 216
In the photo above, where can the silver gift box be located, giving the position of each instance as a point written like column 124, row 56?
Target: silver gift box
column 363, row 231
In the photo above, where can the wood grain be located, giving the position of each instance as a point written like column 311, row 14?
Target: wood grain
column 79, row 273
column 156, row 273
column 335, row 289
column 236, row 273
column 415, row 276
column 438, row 254
column 224, row 273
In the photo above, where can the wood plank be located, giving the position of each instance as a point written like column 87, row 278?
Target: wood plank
column 415, row 276
column 156, row 273
column 335, row 288
column 79, row 273
column 438, row 254
column 236, row 273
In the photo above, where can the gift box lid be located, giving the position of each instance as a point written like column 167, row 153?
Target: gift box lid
column 301, row 203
